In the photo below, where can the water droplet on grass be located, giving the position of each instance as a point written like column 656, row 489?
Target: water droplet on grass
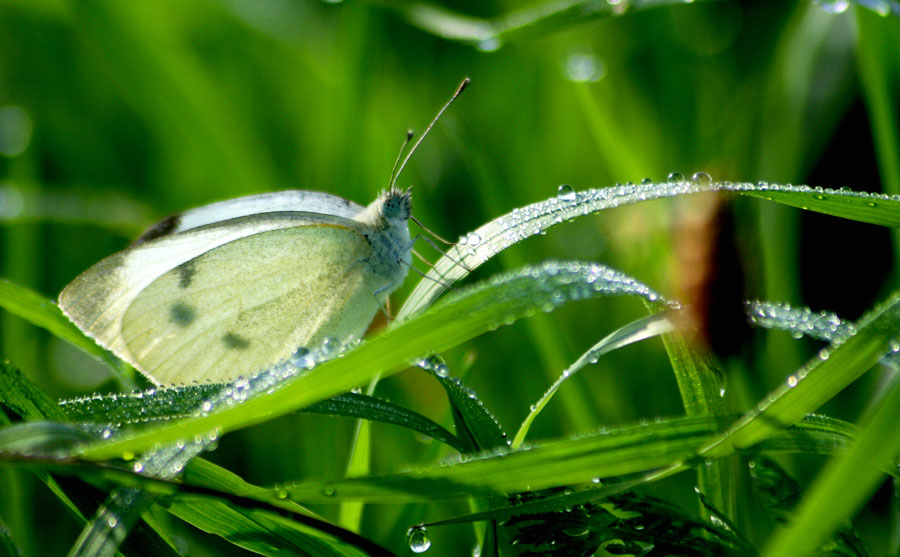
column 418, row 540
column 675, row 177
column 566, row 192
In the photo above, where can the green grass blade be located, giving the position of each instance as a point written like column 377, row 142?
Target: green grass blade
column 818, row 381
column 846, row 481
column 474, row 311
column 479, row 429
column 660, row 449
column 489, row 239
column 160, row 404
column 635, row 331
column 44, row 313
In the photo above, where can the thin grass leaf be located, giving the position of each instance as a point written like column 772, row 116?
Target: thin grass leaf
column 267, row 533
column 8, row 547
column 818, row 381
column 701, row 389
column 489, row 239
column 44, row 313
column 479, row 429
column 641, row 329
column 169, row 403
column 23, row 397
column 780, row 493
column 547, row 17
column 847, row 481
column 500, row 301
column 44, row 438
column 657, row 450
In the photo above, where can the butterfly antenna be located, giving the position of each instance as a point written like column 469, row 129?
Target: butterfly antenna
column 459, row 90
column 409, row 136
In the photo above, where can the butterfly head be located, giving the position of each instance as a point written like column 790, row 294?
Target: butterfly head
column 396, row 204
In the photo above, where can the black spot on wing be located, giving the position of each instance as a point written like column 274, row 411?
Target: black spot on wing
column 235, row 341
column 160, row 229
column 182, row 314
column 186, row 272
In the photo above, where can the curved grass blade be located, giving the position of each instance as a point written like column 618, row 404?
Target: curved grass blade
column 641, row 329
column 846, row 482
column 159, row 404
column 657, row 449
column 479, row 429
column 474, row 311
column 817, row 381
column 802, row 321
column 44, row 313
column 779, row 494
column 44, row 438
column 545, row 17
column 486, row 241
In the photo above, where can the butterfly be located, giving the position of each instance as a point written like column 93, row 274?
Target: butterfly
column 231, row 288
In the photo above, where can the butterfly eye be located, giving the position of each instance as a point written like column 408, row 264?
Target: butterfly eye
column 397, row 205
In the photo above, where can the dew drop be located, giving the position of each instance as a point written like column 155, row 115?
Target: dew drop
column 418, row 540
column 675, row 177
column 490, row 44
column 701, row 179
column 584, row 67
column 566, row 192
column 646, row 182
column 792, row 381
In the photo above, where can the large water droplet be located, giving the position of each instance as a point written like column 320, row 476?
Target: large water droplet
column 418, row 540
column 675, row 177
column 584, row 67
column 701, row 179
column 566, row 192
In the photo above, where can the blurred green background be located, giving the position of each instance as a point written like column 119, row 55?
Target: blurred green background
column 114, row 114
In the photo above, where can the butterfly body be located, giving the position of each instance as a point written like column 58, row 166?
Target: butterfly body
column 228, row 289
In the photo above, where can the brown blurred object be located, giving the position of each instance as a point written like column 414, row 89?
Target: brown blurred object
column 708, row 267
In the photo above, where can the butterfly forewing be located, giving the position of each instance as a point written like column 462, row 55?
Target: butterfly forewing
column 249, row 303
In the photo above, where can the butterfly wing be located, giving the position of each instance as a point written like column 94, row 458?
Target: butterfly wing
column 275, row 202
column 229, row 299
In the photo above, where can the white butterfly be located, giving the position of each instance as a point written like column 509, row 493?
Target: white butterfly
column 230, row 288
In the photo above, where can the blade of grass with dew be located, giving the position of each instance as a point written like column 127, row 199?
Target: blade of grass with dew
column 818, row 381
column 845, row 483
column 641, row 329
column 468, row 313
column 168, row 403
column 660, row 449
column 540, row 19
column 525, row 222
column 701, row 389
column 479, row 429
column 21, row 396
column 880, row 88
column 818, row 435
column 44, row 313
